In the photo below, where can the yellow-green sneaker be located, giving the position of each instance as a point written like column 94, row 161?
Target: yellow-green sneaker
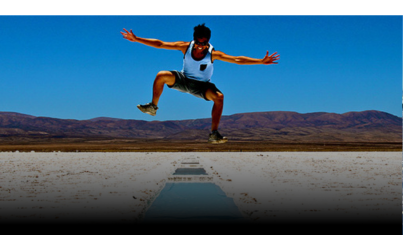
column 216, row 138
column 149, row 108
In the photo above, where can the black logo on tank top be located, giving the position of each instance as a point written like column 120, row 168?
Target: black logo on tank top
column 203, row 67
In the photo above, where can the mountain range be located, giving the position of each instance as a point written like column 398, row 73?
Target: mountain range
column 365, row 126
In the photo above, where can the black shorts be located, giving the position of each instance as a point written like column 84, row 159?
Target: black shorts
column 194, row 87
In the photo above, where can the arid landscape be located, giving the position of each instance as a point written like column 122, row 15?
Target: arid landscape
column 263, row 131
column 110, row 171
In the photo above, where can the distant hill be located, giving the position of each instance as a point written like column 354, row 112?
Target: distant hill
column 366, row 126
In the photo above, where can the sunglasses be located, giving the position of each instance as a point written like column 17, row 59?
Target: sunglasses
column 201, row 43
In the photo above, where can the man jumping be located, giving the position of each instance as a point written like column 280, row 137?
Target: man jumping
column 194, row 78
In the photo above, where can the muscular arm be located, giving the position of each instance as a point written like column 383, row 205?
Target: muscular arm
column 181, row 46
column 268, row 59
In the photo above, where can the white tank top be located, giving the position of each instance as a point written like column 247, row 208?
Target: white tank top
column 200, row 70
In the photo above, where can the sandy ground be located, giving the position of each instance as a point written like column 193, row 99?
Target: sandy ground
column 270, row 186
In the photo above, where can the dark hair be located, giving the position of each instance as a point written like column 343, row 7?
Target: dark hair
column 201, row 31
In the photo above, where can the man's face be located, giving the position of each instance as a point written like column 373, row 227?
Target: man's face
column 201, row 44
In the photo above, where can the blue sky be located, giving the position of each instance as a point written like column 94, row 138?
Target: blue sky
column 80, row 67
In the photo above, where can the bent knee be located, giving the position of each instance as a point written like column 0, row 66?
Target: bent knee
column 219, row 96
column 166, row 77
column 164, row 73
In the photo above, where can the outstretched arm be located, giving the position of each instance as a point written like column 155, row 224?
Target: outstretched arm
column 268, row 59
column 129, row 35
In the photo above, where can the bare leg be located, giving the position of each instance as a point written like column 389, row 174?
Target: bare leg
column 218, row 104
column 162, row 78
